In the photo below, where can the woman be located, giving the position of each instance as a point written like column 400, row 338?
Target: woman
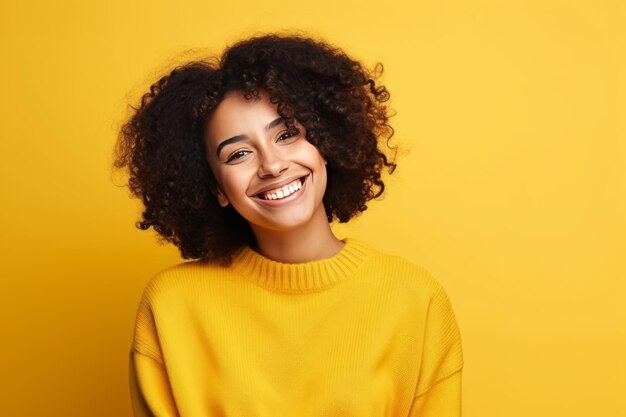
column 242, row 163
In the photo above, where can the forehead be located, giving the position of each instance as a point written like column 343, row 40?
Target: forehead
column 235, row 115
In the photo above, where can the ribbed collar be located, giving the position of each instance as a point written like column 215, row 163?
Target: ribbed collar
column 302, row 277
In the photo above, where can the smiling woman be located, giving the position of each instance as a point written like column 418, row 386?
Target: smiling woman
column 273, row 177
column 243, row 165
column 316, row 92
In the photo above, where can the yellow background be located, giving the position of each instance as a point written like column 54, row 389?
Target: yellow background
column 511, row 186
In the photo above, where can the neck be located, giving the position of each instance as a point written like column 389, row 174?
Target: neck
column 310, row 242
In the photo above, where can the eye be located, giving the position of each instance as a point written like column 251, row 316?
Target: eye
column 288, row 134
column 237, row 155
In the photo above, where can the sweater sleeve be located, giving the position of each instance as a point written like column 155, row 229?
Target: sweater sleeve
column 150, row 391
column 438, row 391
column 442, row 400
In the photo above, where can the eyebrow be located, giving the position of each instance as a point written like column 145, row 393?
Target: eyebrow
column 239, row 138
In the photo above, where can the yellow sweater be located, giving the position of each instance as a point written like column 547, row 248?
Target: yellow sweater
column 360, row 334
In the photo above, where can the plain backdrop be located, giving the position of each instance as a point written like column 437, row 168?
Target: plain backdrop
column 510, row 188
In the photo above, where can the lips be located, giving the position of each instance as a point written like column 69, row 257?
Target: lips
column 275, row 187
column 285, row 191
column 271, row 197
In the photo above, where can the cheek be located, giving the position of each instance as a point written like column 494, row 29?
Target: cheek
column 233, row 184
column 228, row 182
column 308, row 152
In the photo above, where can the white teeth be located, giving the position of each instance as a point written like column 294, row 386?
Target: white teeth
column 283, row 192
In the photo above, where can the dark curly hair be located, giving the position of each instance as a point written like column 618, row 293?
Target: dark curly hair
column 334, row 97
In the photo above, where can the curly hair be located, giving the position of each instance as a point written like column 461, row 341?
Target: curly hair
column 334, row 97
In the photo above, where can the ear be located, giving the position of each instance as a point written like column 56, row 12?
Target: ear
column 221, row 198
column 218, row 193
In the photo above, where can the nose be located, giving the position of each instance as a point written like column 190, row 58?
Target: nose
column 272, row 163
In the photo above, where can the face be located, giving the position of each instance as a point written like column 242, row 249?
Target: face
column 270, row 174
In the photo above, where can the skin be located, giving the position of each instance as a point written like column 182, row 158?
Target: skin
column 292, row 230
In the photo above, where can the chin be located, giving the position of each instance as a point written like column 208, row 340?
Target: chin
column 284, row 225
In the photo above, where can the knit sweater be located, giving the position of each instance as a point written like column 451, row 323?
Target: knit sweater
column 362, row 333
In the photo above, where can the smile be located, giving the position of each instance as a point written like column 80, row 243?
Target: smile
column 282, row 192
column 287, row 192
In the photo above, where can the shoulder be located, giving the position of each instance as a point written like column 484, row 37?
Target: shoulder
column 412, row 275
column 171, row 281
